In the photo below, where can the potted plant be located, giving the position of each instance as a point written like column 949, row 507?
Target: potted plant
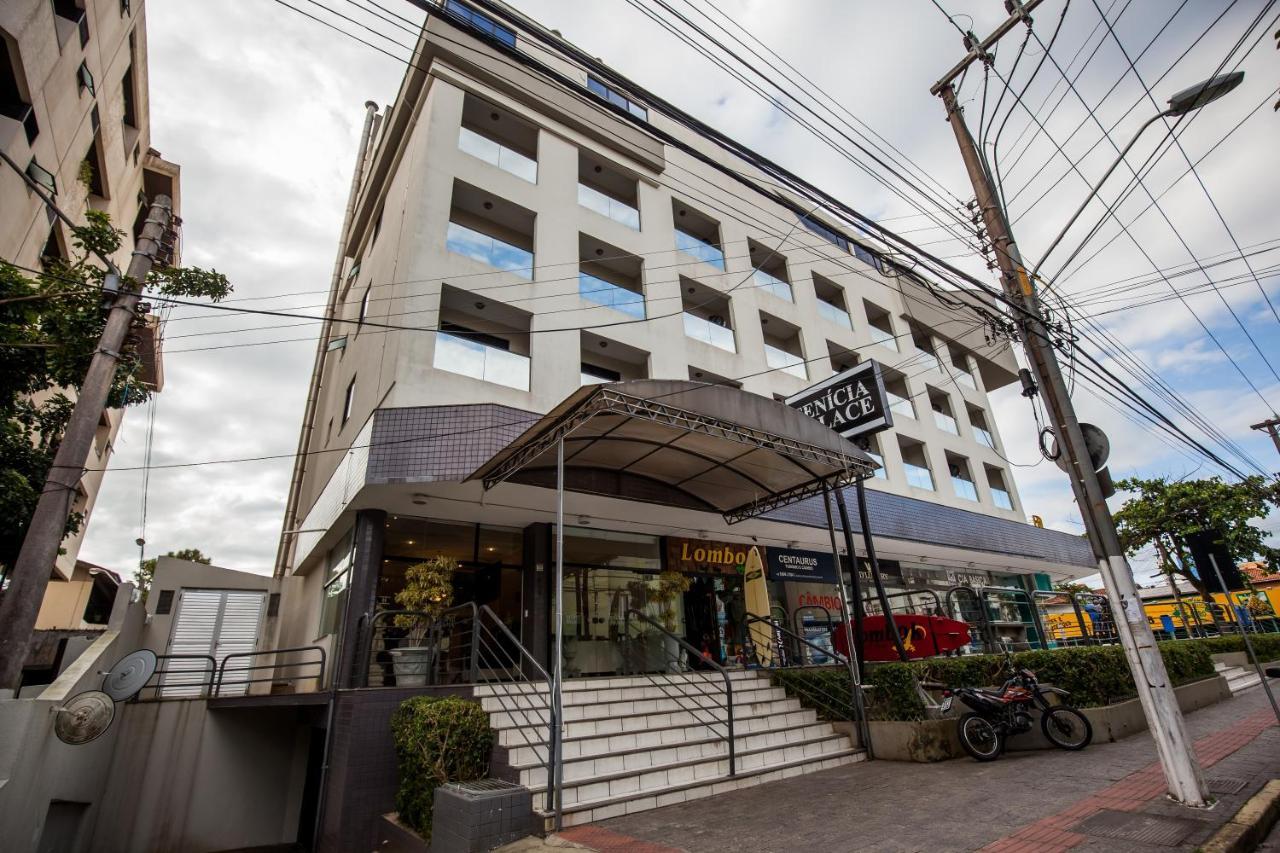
column 428, row 589
column 663, row 592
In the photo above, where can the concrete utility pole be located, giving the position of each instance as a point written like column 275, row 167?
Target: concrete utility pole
column 30, row 574
column 1181, row 769
column 1270, row 426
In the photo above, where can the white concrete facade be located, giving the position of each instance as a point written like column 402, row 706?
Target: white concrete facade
column 73, row 89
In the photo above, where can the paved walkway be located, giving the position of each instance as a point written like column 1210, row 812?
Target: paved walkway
column 1106, row 798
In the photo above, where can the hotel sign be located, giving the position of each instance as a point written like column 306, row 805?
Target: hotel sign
column 852, row 402
column 702, row 557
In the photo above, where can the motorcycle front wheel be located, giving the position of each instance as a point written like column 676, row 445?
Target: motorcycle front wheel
column 1066, row 728
column 979, row 737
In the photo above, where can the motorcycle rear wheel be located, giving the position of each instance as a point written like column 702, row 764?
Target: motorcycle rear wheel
column 1066, row 728
column 980, row 737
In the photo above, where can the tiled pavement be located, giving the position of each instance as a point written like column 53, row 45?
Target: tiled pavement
column 1042, row 801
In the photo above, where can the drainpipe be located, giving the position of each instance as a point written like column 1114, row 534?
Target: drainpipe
column 284, row 554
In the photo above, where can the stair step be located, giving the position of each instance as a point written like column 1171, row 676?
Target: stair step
column 614, row 682
column 616, row 806
column 584, row 704
column 618, row 723
column 751, row 750
column 524, row 753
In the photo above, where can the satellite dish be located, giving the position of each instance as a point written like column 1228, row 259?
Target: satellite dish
column 1095, row 441
column 84, row 718
column 130, row 674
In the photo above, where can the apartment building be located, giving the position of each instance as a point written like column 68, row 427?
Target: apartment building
column 74, row 113
column 527, row 223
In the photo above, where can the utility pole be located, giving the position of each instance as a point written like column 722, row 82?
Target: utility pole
column 1181, row 768
column 1272, row 425
column 30, row 573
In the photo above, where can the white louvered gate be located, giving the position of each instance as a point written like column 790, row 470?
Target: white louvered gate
column 218, row 623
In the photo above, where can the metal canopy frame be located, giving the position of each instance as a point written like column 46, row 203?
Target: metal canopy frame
column 607, row 400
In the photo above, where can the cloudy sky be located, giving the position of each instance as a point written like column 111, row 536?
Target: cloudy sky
column 262, row 107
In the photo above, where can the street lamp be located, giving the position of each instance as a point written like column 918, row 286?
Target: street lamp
column 1189, row 99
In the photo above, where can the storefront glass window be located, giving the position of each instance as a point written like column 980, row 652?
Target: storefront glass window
column 585, row 546
column 337, row 581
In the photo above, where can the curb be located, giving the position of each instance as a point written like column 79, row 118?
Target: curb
column 1250, row 825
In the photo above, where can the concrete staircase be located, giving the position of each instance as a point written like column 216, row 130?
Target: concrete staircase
column 636, row 743
column 1239, row 678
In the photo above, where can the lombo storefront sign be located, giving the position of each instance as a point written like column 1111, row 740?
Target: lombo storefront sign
column 852, row 402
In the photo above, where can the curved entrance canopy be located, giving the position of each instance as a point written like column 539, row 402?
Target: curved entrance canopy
column 708, row 447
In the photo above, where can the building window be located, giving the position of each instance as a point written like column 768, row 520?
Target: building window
column 84, row 78
column 488, row 250
column 497, row 154
column 593, row 375
column 364, row 306
column 485, row 357
column 42, row 176
column 873, row 450
column 698, row 236
column 915, row 462
column 126, row 7
column 12, row 104
column 999, row 491
column 130, row 104
column 961, row 479
column 91, row 170
column 337, row 581
column 880, row 327
column 480, row 22
column 622, row 102
column 825, row 232
column 348, row 401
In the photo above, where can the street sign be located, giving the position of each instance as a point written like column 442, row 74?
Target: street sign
column 852, row 402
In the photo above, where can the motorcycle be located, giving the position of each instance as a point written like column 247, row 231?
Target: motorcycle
column 997, row 714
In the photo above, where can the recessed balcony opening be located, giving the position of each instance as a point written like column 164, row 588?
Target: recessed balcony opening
column 483, row 339
column 499, row 138
column 706, row 315
column 943, row 415
column 895, row 386
column 607, row 360
column 961, row 477
column 873, row 450
column 697, row 235
column 1000, row 494
column 831, row 303
column 923, row 343
column 978, row 423
column 782, row 349
column 610, row 277
column 604, row 189
column 842, row 358
column 698, row 374
column 91, row 170
column 13, row 105
column 915, row 462
column 491, row 230
column 69, row 17
column 770, row 275
column 963, row 365
column 880, row 325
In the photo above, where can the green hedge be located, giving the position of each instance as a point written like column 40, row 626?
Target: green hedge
column 1093, row 675
column 438, row 739
column 1267, row 646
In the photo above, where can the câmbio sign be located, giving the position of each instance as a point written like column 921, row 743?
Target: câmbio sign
column 852, row 403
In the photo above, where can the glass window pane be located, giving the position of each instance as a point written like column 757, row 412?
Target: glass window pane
column 501, row 545
column 584, row 546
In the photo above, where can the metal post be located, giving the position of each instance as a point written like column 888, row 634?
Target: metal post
column 855, row 660
column 1248, row 643
column 557, row 694
column 855, row 578
column 891, row 627
column 1155, row 691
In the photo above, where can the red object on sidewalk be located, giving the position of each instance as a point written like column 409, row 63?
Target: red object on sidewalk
column 922, row 636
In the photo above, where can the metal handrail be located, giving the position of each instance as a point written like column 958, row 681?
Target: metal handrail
column 797, row 624
column 383, row 615
column 937, row 602
column 724, row 673
column 1030, row 601
column 984, row 618
column 205, row 685
column 222, row 668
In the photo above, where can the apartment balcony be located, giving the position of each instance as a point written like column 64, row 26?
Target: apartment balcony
column 772, row 284
column 834, row 314
column 965, row 378
column 883, row 337
column 918, row 476
column 964, row 488
column 479, row 360
column 928, row 360
column 882, row 473
column 708, row 332
column 1001, row 498
column 945, row 422
column 900, row 405
column 780, row 359
column 700, row 249
column 607, row 206
column 24, row 115
column 490, row 251
column 496, row 154
column 610, row 295
column 984, row 437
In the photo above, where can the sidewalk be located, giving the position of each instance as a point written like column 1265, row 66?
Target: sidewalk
column 1108, row 797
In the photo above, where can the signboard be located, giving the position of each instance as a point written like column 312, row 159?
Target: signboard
column 784, row 564
column 702, row 557
column 852, row 402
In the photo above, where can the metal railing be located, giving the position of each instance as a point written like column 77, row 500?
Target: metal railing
column 637, row 661
column 205, row 677
column 179, row 677
column 279, row 672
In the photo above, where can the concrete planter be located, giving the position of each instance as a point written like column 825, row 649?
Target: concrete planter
column 936, row 740
column 411, row 665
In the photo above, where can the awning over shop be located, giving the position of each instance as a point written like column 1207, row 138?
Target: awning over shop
column 708, row 447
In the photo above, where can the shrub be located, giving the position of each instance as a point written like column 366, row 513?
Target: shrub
column 1093, row 675
column 438, row 739
column 1267, row 646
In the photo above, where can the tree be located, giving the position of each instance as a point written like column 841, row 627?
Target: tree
column 1072, row 587
column 147, row 568
column 49, row 329
column 1165, row 513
